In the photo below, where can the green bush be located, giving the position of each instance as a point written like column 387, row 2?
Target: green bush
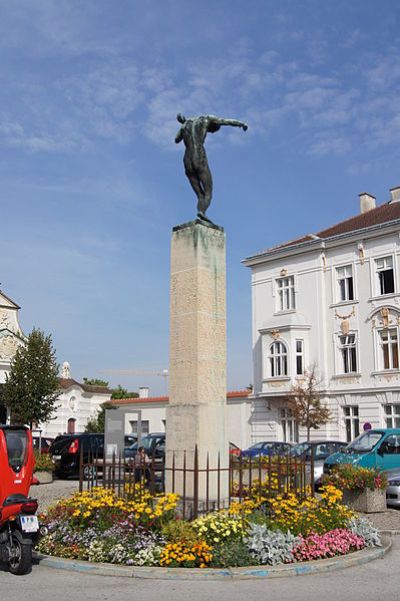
column 43, row 462
column 231, row 553
column 179, row 531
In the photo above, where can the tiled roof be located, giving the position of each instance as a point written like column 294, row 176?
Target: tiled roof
column 382, row 214
column 68, row 382
column 164, row 399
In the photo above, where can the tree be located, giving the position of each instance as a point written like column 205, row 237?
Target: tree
column 95, row 382
column 122, row 393
column 304, row 401
column 97, row 422
column 32, row 386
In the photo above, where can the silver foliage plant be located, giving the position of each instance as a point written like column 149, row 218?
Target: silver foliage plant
column 363, row 527
column 270, row 547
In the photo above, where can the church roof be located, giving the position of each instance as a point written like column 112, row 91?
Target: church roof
column 66, row 383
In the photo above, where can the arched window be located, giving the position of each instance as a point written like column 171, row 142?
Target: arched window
column 278, row 359
column 71, row 425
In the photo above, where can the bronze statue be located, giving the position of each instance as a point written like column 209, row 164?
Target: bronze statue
column 193, row 133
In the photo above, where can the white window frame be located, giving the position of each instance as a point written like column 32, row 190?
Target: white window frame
column 144, row 426
column 299, row 354
column 290, row 428
column 346, row 347
column 278, row 361
column 289, row 290
column 345, row 278
column 351, row 419
column 377, row 283
column 381, row 344
column 391, row 417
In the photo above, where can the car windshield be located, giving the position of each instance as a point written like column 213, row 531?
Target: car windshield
column 299, row 449
column 364, row 443
column 258, row 445
column 16, row 447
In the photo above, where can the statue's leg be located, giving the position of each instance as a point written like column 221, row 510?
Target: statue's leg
column 207, row 184
column 196, row 185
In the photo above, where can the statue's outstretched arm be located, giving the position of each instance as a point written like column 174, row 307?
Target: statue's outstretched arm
column 179, row 137
column 233, row 122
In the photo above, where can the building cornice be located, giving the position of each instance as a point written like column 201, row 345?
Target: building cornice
column 320, row 243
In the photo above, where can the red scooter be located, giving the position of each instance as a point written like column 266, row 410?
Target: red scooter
column 18, row 525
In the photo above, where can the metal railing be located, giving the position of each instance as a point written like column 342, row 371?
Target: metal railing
column 202, row 488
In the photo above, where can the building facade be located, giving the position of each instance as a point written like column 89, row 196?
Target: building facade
column 332, row 300
column 151, row 411
column 11, row 336
column 76, row 404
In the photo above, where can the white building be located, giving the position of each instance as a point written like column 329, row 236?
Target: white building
column 11, row 336
column 333, row 299
column 151, row 413
column 76, row 404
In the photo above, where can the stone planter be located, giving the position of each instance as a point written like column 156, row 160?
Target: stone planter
column 44, row 477
column 365, row 501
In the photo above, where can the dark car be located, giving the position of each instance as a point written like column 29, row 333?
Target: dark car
column 129, row 440
column 43, row 443
column 66, row 449
column 321, row 450
column 154, row 446
column 266, row 448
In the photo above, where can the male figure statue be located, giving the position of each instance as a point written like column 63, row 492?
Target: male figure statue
column 193, row 133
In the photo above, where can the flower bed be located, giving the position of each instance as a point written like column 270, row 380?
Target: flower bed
column 146, row 531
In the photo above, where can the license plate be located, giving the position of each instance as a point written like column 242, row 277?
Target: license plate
column 56, row 458
column 29, row 523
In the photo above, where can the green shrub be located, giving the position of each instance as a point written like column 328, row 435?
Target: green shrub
column 231, row 553
column 43, row 462
column 179, row 531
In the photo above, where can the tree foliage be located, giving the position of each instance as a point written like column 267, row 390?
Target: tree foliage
column 32, row 386
column 304, row 401
column 95, row 382
column 122, row 393
column 97, row 422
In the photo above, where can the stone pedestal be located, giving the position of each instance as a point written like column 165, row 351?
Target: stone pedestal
column 196, row 414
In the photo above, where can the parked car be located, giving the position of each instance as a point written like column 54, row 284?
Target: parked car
column 129, row 440
column 393, row 488
column 44, row 443
column 266, row 448
column 65, row 453
column 378, row 448
column 321, row 450
column 154, row 446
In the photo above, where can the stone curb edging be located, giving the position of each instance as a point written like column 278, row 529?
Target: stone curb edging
column 312, row 567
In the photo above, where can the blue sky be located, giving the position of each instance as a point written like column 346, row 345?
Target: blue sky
column 91, row 182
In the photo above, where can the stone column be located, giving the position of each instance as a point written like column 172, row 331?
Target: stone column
column 196, row 414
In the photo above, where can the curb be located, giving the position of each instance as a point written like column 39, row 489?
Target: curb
column 313, row 567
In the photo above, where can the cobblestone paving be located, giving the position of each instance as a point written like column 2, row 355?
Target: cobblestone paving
column 388, row 520
column 46, row 494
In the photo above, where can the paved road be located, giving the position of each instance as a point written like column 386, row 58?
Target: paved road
column 374, row 581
